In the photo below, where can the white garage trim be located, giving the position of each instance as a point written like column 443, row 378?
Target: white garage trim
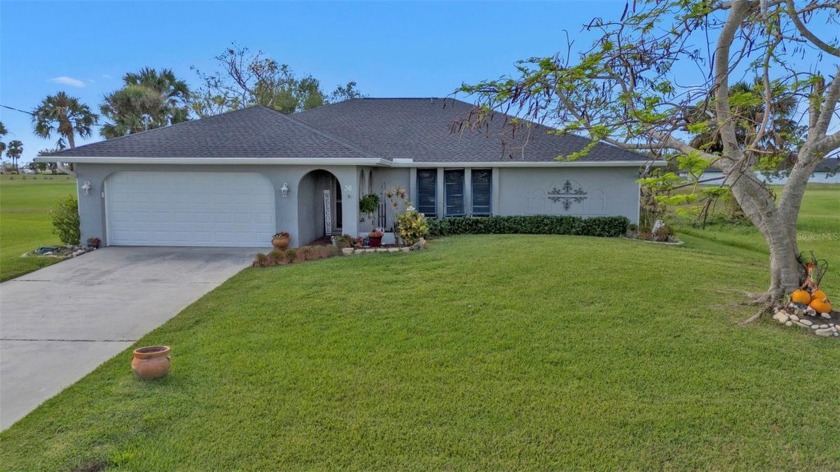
column 211, row 209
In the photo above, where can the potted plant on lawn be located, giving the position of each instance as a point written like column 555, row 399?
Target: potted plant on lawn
column 280, row 240
column 375, row 237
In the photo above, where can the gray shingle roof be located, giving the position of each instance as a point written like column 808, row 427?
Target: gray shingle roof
column 421, row 129
column 828, row 165
column 250, row 132
column 417, row 128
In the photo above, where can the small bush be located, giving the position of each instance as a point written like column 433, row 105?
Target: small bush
column 290, row 256
column 412, row 225
column 65, row 220
column 260, row 260
column 345, row 240
column 603, row 226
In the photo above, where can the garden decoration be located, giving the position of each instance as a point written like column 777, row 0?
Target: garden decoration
column 809, row 306
column 280, row 240
column 809, row 293
column 151, row 362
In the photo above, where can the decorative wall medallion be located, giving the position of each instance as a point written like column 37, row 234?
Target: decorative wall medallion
column 567, row 195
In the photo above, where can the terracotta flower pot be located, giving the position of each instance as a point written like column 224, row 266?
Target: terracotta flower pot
column 151, row 362
column 280, row 243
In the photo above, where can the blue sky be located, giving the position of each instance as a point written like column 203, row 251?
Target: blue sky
column 391, row 49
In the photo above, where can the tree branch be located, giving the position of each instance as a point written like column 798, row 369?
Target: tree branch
column 829, row 106
column 804, row 31
column 723, row 112
column 829, row 143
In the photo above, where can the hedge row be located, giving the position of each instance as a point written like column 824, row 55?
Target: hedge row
column 603, row 226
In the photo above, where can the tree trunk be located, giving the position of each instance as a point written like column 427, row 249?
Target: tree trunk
column 785, row 271
column 778, row 229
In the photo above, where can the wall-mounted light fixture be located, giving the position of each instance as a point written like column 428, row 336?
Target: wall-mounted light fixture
column 349, row 189
column 86, row 187
column 284, row 190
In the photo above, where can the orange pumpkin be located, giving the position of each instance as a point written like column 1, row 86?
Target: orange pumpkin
column 818, row 295
column 800, row 296
column 822, row 305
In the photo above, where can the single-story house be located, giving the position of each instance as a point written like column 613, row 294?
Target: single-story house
column 237, row 178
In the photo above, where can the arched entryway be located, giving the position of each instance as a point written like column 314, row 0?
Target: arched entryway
column 319, row 206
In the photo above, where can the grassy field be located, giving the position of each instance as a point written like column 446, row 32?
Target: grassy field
column 484, row 352
column 24, row 220
column 818, row 230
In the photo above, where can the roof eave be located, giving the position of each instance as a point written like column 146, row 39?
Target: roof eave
column 398, row 163
column 333, row 161
column 366, row 161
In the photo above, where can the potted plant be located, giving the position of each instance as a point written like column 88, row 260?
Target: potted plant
column 94, row 242
column 375, row 237
column 280, row 240
column 368, row 204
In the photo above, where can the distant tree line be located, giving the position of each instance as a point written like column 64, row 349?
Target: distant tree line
column 150, row 99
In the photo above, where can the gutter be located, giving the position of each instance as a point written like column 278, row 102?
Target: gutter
column 370, row 162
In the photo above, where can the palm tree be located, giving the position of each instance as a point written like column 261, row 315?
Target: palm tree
column 148, row 100
column 3, row 132
column 14, row 152
column 65, row 115
column 783, row 133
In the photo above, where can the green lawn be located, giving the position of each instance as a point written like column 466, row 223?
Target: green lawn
column 24, row 220
column 482, row 353
column 818, row 230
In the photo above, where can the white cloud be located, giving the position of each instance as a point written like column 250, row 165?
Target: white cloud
column 106, row 76
column 64, row 80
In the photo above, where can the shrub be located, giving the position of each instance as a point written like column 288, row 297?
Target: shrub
column 65, row 220
column 603, row 226
column 290, row 256
column 260, row 260
column 412, row 225
column 345, row 240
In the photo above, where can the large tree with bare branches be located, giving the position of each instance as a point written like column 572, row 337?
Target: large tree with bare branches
column 252, row 78
column 633, row 88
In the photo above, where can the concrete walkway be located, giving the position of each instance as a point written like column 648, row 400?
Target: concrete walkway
column 59, row 323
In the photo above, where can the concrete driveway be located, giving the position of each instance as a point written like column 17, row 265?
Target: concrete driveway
column 59, row 323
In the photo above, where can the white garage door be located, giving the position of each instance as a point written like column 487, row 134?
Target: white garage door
column 223, row 209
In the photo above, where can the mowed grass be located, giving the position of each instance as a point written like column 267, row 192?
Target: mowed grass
column 24, row 220
column 481, row 353
column 818, row 230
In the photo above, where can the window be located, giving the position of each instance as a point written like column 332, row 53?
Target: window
column 454, row 185
column 426, row 191
column 481, row 190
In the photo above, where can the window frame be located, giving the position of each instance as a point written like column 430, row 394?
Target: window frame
column 421, row 207
column 462, row 195
column 489, row 185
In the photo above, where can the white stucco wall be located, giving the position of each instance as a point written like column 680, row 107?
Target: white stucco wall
column 607, row 192
column 603, row 191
